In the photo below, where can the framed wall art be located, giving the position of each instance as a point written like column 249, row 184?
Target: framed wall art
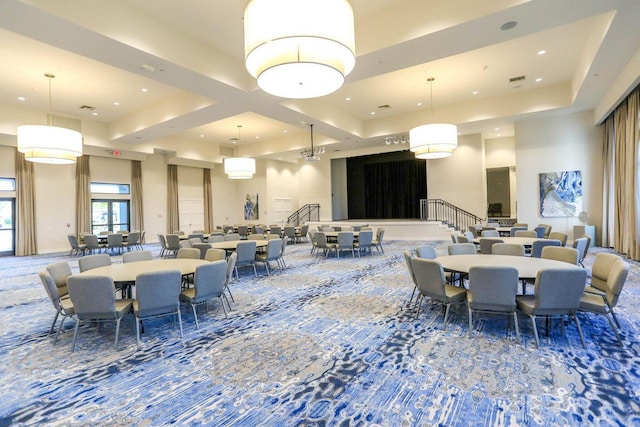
column 560, row 194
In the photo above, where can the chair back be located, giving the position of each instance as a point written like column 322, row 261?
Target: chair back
column 601, row 268
column 93, row 297
column 173, row 242
column 490, row 233
column 513, row 249
column 51, row 288
column 303, row 230
column 463, row 239
column 90, row 262
column 454, row 237
column 137, row 256
column 133, row 238
column 428, row 252
column 580, row 244
column 214, row 238
column 60, row 272
column 408, row 260
column 231, row 237
column 430, row 277
column 274, row 247
column 486, row 244
column 559, row 253
column 91, row 240
column 114, row 240
column 290, row 232
column 243, row 231
column 557, row 235
column 254, row 236
column 558, row 291
column 214, row 254
column 258, row 230
column 231, row 265
column 462, row 249
column 73, row 241
column 203, row 248
column 275, row 229
column 246, row 251
column 283, row 246
column 616, row 280
column 345, row 239
column 526, row 233
column 163, row 241
column 158, row 292
column 188, row 253
column 493, row 288
column 515, row 229
column 210, row 280
column 540, row 231
column 379, row 235
column 198, row 236
column 365, row 238
column 536, row 247
column 185, row 244
column 321, row 239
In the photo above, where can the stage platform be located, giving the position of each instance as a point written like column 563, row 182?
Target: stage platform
column 400, row 229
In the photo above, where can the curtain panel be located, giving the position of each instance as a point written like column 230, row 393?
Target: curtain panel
column 208, row 200
column 173, row 221
column 137, row 205
column 83, row 195
column 25, row 207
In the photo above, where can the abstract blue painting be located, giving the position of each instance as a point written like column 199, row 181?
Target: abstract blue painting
column 560, row 194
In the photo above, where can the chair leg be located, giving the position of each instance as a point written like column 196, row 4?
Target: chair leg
column 59, row 329
column 615, row 330
column 138, row 333
column 223, row 309
column 195, row 316
column 471, row 321
column 579, row 329
column 117, row 331
column 418, row 303
column 415, row 288
column 53, row 325
column 230, row 294
column 446, row 317
column 515, row 322
column 75, row 335
column 535, row 331
column 227, row 300
column 180, row 320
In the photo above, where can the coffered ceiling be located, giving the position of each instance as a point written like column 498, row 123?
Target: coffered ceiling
column 154, row 69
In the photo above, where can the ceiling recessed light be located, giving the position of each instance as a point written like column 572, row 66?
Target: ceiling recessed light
column 373, row 113
column 94, row 114
column 257, row 136
column 347, row 99
column 144, row 89
column 539, row 79
column 542, row 52
column 201, row 136
column 496, row 129
column 21, row 98
column 286, row 131
column 475, row 92
column 419, row 104
column 508, row 25
column 116, row 103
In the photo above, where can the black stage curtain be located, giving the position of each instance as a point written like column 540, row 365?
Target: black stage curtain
column 386, row 186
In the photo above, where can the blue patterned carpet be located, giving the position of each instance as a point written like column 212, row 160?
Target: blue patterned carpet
column 322, row 343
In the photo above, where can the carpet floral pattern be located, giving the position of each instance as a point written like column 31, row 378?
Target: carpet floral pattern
column 320, row 343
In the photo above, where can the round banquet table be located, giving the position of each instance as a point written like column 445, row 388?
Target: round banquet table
column 129, row 272
column 524, row 241
column 231, row 245
column 527, row 267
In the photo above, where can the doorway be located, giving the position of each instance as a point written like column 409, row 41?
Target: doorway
column 7, row 226
column 109, row 215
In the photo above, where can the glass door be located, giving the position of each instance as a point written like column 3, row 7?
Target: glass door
column 7, row 227
column 109, row 215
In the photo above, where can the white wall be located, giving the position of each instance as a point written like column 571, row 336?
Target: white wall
column 554, row 144
column 281, row 183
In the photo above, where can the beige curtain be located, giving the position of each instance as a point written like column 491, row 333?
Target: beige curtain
column 83, row 195
column 137, row 210
column 622, row 138
column 208, row 201
column 173, row 222
column 26, row 207
column 608, row 184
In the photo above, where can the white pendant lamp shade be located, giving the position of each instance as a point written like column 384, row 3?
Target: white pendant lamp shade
column 433, row 141
column 240, row 167
column 299, row 48
column 49, row 144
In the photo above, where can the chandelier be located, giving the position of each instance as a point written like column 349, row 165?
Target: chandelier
column 312, row 154
column 433, row 141
column 395, row 140
column 239, row 167
column 299, row 48
column 49, row 144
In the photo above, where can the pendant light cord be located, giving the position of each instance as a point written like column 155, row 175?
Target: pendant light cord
column 50, row 76
column 312, row 153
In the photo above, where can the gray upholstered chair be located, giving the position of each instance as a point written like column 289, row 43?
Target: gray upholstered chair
column 454, row 236
column 526, row 233
column 283, row 247
column 302, row 233
column 188, row 253
column 290, row 232
column 209, row 282
column 560, row 253
column 231, row 237
column 515, row 229
column 377, row 242
column 199, row 236
column 76, row 248
column 540, row 230
column 491, row 232
column 493, row 290
column 463, row 239
column 428, row 252
column 487, row 243
column 323, row 245
column 173, row 244
column 547, row 230
column 114, row 242
column 137, row 256
column 513, row 249
column 558, row 235
column 345, row 242
column 163, row 244
column 60, row 272
column 63, row 306
column 185, row 243
column 92, row 243
column 94, row 300
column 557, row 293
column 246, row 251
column 433, row 284
column 580, row 244
column 536, row 247
column 133, row 241
column 157, row 294
column 214, row 254
column 214, row 238
column 275, row 229
column 462, row 249
column 254, row 236
column 272, row 254
column 600, row 298
column 203, row 247
column 231, row 266
column 90, row 262
column 364, row 242
column 408, row 259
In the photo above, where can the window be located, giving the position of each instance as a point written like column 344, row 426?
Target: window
column 108, row 188
column 109, row 215
column 7, row 184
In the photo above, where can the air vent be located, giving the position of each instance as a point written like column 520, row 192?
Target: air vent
column 87, row 107
column 384, row 107
column 516, row 79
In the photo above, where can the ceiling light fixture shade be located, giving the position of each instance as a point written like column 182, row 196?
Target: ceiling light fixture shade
column 433, row 141
column 312, row 154
column 240, row 167
column 299, row 48
column 47, row 143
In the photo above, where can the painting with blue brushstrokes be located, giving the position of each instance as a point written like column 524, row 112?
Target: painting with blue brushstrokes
column 560, row 194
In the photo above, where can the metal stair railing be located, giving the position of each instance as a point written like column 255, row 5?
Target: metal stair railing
column 309, row 212
column 448, row 214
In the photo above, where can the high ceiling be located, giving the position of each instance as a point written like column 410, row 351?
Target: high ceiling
column 188, row 56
